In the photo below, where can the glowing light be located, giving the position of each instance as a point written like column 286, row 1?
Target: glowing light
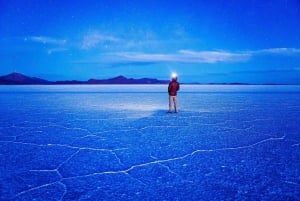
column 174, row 75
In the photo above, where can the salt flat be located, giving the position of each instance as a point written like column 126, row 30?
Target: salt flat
column 118, row 143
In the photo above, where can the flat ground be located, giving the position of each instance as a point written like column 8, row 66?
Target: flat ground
column 124, row 146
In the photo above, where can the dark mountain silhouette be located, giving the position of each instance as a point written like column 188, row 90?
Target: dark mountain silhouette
column 70, row 82
column 123, row 80
column 20, row 79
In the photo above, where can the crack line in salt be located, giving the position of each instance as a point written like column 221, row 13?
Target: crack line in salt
column 172, row 172
column 38, row 187
column 295, row 145
column 126, row 171
column 177, row 158
column 69, row 158
column 64, row 145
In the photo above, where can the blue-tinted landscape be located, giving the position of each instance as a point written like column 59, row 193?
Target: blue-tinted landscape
column 104, row 142
column 65, row 134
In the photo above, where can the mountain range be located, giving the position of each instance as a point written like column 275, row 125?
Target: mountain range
column 20, row 79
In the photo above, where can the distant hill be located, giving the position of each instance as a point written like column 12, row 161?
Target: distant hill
column 20, row 79
column 123, row 80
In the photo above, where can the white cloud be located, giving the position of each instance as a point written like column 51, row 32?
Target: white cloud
column 282, row 51
column 213, row 56
column 184, row 56
column 91, row 40
column 46, row 40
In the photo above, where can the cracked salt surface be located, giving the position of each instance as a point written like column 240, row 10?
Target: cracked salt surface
column 102, row 144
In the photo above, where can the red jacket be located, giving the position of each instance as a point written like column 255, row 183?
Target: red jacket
column 173, row 88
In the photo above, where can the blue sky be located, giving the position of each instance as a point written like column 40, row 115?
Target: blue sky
column 250, row 41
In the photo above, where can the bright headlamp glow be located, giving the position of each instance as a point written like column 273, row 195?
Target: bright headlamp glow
column 174, row 75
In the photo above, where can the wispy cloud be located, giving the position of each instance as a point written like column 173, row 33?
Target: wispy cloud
column 46, row 40
column 183, row 56
column 93, row 39
column 278, row 51
column 190, row 56
column 213, row 56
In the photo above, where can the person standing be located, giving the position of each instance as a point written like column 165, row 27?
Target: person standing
column 172, row 90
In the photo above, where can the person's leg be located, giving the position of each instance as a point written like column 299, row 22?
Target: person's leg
column 170, row 103
column 175, row 103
